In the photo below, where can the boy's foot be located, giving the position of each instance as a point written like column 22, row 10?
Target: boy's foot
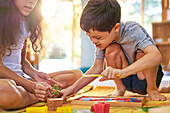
column 164, row 90
column 156, row 96
column 118, row 92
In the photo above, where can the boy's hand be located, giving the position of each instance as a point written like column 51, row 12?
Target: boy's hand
column 44, row 77
column 68, row 91
column 111, row 73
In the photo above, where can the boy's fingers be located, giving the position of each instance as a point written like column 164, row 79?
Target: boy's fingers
column 102, row 79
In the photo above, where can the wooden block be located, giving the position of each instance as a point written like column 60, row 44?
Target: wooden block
column 37, row 109
column 53, row 103
column 113, row 101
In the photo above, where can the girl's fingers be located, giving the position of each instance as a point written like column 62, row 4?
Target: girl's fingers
column 41, row 96
column 52, row 82
column 41, row 87
column 41, row 91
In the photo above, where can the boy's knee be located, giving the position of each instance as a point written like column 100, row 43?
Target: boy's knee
column 139, row 55
column 113, row 50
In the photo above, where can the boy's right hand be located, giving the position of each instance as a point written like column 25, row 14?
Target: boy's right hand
column 111, row 73
column 41, row 90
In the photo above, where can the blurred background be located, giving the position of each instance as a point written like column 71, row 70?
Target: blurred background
column 67, row 47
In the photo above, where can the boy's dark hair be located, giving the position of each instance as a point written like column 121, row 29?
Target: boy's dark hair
column 100, row 15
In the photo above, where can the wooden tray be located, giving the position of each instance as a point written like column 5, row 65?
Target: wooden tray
column 113, row 101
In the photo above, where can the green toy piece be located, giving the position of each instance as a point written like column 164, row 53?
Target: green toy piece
column 55, row 90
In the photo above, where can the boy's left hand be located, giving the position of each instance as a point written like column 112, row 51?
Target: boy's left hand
column 44, row 77
column 111, row 73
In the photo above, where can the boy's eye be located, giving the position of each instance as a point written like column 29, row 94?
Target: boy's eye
column 98, row 38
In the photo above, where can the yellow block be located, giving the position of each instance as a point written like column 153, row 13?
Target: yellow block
column 37, row 109
column 64, row 109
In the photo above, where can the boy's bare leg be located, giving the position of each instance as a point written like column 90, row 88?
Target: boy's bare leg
column 116, row 59
column 152, row 90
column 66, row 78
column 150, row 75
column 13, row 96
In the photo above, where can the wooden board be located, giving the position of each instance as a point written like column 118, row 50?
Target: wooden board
column 113, row 101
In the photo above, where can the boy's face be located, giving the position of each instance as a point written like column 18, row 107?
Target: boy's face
column 25, row 6
column 103, row 39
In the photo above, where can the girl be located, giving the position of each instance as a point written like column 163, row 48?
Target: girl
column 20, row 20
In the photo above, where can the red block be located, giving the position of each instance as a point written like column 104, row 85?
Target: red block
column 92, row 109
column 101, row 107
column 107, row 107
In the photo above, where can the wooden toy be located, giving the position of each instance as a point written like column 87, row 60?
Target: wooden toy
column 64, row 109
column 113, row 101
column 100, row 107
column 53, row 103
column 37, row 109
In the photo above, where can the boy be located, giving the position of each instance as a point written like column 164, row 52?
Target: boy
column 129, row 51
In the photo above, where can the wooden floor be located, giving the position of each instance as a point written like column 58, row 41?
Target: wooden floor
column 104, row 91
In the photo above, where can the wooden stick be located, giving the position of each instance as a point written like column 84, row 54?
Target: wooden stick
column 97, row 75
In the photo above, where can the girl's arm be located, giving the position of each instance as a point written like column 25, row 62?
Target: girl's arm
column 26, row 66
column 32, row 72
column 6, row 73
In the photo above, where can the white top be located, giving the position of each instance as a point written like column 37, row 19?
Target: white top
column 13, row 61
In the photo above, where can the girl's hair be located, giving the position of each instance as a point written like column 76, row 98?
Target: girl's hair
column 100, row 15
column 10, row 20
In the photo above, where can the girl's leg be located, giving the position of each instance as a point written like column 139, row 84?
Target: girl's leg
column 116, row 59
column 151, row 76
column 13, row 96
column 66, row 78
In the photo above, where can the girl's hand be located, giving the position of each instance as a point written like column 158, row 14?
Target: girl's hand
column 42, row 90
column 44, row 77
column 111, row 73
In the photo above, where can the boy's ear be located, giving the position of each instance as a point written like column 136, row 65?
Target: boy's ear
column 116, row 27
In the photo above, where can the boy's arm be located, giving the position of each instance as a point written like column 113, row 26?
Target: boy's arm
column 97, row 68
column 151, row 59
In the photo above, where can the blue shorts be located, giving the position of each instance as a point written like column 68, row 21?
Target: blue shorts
column 134, row 84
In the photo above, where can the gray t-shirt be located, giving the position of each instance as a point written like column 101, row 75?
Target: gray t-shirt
column 13, row 61
column 133, row 37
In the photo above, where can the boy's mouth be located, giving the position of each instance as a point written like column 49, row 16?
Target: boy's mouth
column 98, row 45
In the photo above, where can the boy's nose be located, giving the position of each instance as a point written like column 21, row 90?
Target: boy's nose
column 94, row 40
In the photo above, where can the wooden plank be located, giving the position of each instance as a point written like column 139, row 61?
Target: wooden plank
column 96, row 75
